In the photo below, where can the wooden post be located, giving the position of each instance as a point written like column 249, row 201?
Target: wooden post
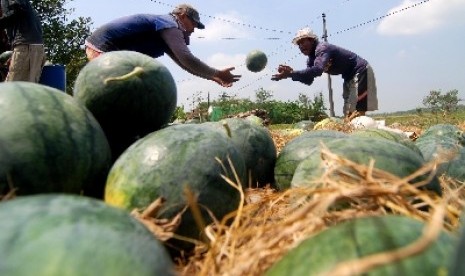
column 330, row 87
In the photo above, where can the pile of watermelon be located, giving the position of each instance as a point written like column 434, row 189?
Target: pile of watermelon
column 81, row 165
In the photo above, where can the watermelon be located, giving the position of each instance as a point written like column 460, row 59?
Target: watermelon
column 166, row 162
column 440, row 139
column 297, row 150
column 386, row 134
column 255, row 144
column 129, row 93
column 361, row 237
column 5, row 56
column 455, row 167
column 305, row 125
column 389, row 156
column 457, row 264
column 254, row 119
column 49, row 143
column 435, row 147
column 256, row 61
column 58, row 234
column 444, row 130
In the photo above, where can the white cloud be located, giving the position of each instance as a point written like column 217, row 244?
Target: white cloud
column 423, row 18
column 215, row 30
column 222, row 60
column 402, row 54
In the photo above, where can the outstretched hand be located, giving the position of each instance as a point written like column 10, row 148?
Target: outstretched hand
column 284, row 72
column 225, row 78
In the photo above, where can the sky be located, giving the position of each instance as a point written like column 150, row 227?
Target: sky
column 414, row 47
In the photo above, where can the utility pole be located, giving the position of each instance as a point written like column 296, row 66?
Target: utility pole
column 330, row 87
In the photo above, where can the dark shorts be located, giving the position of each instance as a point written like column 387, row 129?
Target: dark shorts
column 360, row 92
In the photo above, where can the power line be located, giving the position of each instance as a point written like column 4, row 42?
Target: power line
column 381, row 17
column 231, row 21
column 290, row 33
column 256, row 27
column 352, row 28
column 249, row 25
column 336, row 33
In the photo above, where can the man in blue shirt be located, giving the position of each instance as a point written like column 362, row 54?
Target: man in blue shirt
column 155, row 35
column 24, row 31
column 359, row 88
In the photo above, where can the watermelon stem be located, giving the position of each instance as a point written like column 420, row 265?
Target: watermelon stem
column 135, row 72
column 228, row 129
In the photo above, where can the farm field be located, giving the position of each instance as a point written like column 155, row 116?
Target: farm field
column 269, row 223
column 190, row 186
column 157, row 162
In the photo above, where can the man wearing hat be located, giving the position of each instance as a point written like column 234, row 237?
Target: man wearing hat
column 359, row 88
column 155, row 35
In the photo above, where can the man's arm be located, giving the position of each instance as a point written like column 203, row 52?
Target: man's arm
column 307, row 75
column 181, row 54
column 284, row 71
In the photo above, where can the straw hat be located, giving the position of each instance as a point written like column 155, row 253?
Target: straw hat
column 304, row 33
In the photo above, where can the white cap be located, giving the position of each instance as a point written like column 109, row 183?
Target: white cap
column 304, row 33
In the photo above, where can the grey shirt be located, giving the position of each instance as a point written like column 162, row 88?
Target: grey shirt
column 181, row 54
column 153, row 35
column 21, row 22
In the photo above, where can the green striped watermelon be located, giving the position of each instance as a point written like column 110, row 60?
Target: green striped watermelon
column 455, row 167
column 254, row 119
column 256, row 61
column 166, row 162
column 255, row 144
column 5, row 56
column 129, row 93
column 297, row 150
column 444, row 130
column 305, row 125
column 386, row 134
column 60, row 234
column 457, row 267
column 49, row 142
column 389, row 156
column 362, row 237
column 440, row 139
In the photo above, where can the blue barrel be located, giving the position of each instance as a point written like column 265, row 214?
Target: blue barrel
column 54, row 75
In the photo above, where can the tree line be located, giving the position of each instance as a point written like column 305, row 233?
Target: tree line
column 63, row 37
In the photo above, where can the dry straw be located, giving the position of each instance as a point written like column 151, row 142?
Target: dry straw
column 268, row 223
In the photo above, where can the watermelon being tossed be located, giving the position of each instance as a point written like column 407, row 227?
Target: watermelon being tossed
column 129, row 93
column 256, row 61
